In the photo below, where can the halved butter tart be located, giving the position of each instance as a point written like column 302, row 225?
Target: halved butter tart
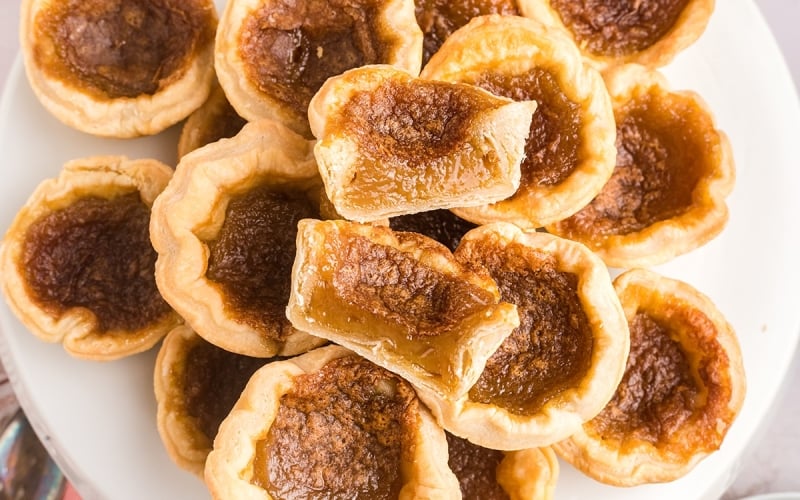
column 561, row 365
column 119, row 68
column 683, row 387
column 391, row 144
column 329, row 424
column 224, row 230
column 399, row 299
column 674, row 171
column 569, row 152
column 77, row 263
column 272, row 56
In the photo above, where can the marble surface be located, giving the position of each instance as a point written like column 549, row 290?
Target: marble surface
column 772, row 462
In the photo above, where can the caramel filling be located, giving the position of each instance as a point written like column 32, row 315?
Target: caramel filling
column 96, row 254
column 441, row 225
column 553, row 148
column 438, row 19
column 291, row 48
column 341, row 432
column 251, row 258
column 551, row 349
column 115, row 48
column 618, row 28
column 476, row 469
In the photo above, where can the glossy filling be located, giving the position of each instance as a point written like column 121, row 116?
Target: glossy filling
column 251, row 258
column 341, row 432
column 476, row 469
column 115, row 48
column 551, row 349
column 618, row 28
column 291, row 48
column 441, row 225
column 438, row 19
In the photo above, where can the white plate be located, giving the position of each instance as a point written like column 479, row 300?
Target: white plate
column 98, row 419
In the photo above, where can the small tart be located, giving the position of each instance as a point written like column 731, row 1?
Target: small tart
column 441, row 225
column 77, row 263
column 562, row 364
column 688, row 354
column 569, row 153
column 400, row 300
column 329, row 424
column 647, row 32
column 214, row 120
column 513, row 475
column 119, row 68
column 674, row 170
column 391, row 144
column 272, row 56
column 196, row 385
column 225, row 230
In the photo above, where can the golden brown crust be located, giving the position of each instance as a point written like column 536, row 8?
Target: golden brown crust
column 105, row 177
column 531, row 473
column 709, row 344
column 215, row 119
column 504, row 47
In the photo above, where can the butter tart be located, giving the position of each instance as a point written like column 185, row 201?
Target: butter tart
column 399, row 299
column 214, row 120
column 272, row 56
column 683, row 387
column 569, row 153
column 329, row 424
column 77, row 262
column 117, row 68
column 647, row 32
column 674, row 170
column 562, row 364
column 390, row 144
column 224, row 230
column 196, row 385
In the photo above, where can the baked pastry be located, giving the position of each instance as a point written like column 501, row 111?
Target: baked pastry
column 329, row 424
column 77, row 263
column 400, row 300
column 569, row 153
column 647, row 32
column 683, row 387
column 214, row 120
column 515, row 475
column 674, row 170
column 390, row 144
column 196, row 385
column 272, row 56
column 562, row 364
column 224, row 230
column 441, row 225
column 118, row 68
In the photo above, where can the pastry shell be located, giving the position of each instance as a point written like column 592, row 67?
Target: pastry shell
column 715, row 364
column 512, row 47
column 78, row 328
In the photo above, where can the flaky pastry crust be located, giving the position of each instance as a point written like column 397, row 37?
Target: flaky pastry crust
column 531, row 473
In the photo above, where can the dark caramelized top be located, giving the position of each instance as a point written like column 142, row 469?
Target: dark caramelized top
column 553, row 148
column 116, row 48
column 291, row 48
column 251, row 259
column 96, row 253
column 341, row 432
column 618, row 28
column 441, row 225
column 551, row 349
column 476, row 469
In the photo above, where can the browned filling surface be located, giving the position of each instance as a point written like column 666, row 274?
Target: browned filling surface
column 224, row 123
column 291, row 48
column 251, row 258
column 438, row 19
column 551, row 349
column 96, row 253
column 476, row 469
column 621, row 27
column 341, row 432
column 553, row 148
column 121, row 48
column 213, row 380
column 441, row 225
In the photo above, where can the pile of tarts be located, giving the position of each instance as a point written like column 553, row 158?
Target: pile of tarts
column 380, row 266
